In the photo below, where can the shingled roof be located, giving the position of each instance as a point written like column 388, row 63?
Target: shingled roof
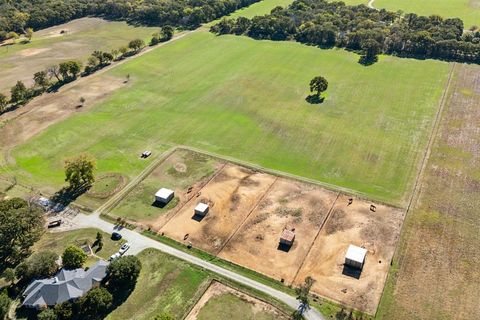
column 66, row 285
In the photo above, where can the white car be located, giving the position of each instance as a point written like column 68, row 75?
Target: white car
column 124, row 248
column 114, row 256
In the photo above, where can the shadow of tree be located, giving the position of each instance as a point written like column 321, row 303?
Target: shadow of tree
column 314, row 99
column 67, row 195
column 367, row 61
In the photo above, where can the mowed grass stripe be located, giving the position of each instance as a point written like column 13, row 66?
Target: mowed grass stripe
column 246, row 99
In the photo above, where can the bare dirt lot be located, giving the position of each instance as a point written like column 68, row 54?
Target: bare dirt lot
column 232, row 195
column 184, row 172
column 435, row 273
column 289, row 204
column 220, row 300
column 354, row 224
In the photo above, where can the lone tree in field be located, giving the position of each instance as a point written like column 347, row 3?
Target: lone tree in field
column 73, row 257
column 79, row 172
column 318, row 85
column 82, row 101
column 302, row 296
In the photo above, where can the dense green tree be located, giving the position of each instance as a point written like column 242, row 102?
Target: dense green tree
column 41, row 79
column 331, row 23
column 21, row 225
column 79, row 172
column 136, row 44
column 5, row 302
column 19, row 93
column 371, row 48
column 9, row 275
column 167, row 33
column 73, row 257
column 123, row 272
column 318, row 85
column 3, row 102
column 47, row 314
column 70, row 69
column 39, row 265
column 96, row 303
column 64, row 311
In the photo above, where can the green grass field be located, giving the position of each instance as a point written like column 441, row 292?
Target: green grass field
column 229, row 306
column 165, row 284
column 246, row 99
column 138, row 204
column 467, row 10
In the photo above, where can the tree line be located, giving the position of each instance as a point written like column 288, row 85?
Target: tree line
column 55, row 76
column 362, row 29
column 16, row 16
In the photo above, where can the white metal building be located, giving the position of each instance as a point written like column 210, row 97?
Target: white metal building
column 201, row 209
column 164, row 195
column 355, row 256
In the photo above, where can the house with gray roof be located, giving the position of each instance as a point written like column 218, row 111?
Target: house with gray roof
column 66, row 285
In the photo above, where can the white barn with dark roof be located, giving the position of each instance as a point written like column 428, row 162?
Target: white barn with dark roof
column 66, row 285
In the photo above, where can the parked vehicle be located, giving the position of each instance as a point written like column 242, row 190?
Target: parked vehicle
column 114, row 256
column 116, row 236
column 146, row 154
column 124, row 248
column 54, row 224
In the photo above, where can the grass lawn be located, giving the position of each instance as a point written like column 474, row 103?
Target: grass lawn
column 166, row 284
column 230, row 306
column 178, row 172
column 20, row 61
column 245, row 98
column 58, row 241
column 467, row 10
column 260, row 8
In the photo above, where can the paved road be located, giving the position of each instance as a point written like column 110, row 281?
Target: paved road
column 139, row 242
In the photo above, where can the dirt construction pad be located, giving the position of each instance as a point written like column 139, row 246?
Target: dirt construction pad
column 356, row 224
column 248, row 211
column 231, row 195
column 291, row 205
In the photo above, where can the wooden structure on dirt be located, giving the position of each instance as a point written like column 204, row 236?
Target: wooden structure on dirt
column 355, row 257
column 287, row 237
column 164, row 195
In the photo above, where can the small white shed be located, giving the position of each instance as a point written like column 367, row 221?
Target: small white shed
column 164, row 195
column 355, row 257
column 201, row 209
